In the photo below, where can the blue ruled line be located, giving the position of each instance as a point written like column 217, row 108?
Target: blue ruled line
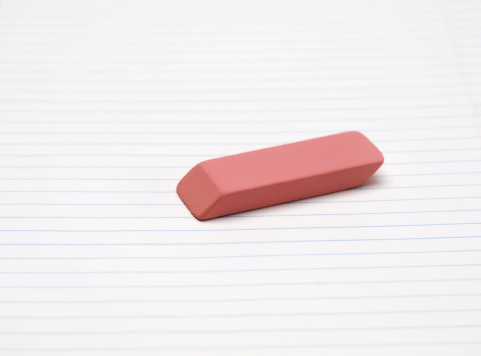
column 431, row 128
column 177, row 179
column 239, row 256
column 221, row 316
column 93, row 179
column 239, row 331
column 173, row 192
column 242, row 242
column 248, row 122
column 243, row 347
column 239, row 270
column 249, row 285
column 239, row 215
column 188, row 167
column 239, row 300
column 222, row 101
column 213, row 143
column 230, row 111
column 204, row 155
column 250, row 229
column 180, row 204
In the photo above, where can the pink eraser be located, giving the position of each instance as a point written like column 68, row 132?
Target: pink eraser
column 280, row 174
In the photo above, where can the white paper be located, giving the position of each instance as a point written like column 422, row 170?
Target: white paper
column 106, row 105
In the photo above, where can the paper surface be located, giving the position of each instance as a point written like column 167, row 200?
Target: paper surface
column 106, row 105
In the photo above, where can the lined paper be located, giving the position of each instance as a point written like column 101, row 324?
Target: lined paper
column 106, row 105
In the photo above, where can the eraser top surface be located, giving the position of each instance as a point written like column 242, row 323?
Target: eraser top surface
column 278, row 174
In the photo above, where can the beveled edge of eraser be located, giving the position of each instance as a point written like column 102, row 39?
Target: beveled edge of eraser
column 201, row 194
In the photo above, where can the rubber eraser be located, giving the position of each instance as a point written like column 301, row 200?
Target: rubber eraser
column 280, row 174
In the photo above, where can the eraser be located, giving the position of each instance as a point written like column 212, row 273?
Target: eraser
column 280, row 174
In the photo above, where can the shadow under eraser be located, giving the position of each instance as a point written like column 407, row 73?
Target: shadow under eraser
column 280, row 174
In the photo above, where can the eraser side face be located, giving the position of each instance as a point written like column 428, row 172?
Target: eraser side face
column 280, row 174
column 198, row 191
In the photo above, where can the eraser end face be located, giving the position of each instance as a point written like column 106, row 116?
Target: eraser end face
column 280, row 174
